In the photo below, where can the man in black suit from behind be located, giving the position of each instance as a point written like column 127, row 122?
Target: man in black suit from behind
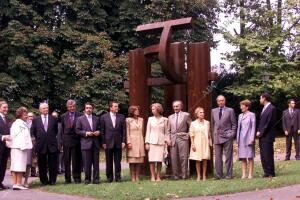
column 291, row 128
column 44, row 128
column 71, row 143
column 113, row 132
column 88, row 128
column 4, row 136
column 266, row 134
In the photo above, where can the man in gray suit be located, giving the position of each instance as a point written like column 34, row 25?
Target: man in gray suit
column 178, row 131
column 291, row 128
column 224, row 127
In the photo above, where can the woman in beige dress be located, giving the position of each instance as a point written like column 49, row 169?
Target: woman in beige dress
column 201, row 142
column 20, row 144
column 156, row 140
column 135, row 141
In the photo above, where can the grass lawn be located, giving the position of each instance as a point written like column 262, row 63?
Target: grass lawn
column 288, row 173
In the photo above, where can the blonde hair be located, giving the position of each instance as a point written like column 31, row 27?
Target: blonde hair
column 197, row 110
column 246, row 103
column 158, row 107
column 2, row 103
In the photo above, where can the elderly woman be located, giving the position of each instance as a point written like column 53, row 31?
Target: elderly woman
column 20, row 145
column 156, row 140
column 246, row 138
column 135, row 141
column 200, row 142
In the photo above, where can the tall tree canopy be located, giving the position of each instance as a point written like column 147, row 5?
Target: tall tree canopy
column 267, row 44
column 54, row 50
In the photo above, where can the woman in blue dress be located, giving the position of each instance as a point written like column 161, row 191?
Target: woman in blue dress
column 246, row 138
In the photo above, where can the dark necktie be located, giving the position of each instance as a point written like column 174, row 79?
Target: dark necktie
column 176, row 121
column 220, row 113
column 4, row 120
column 45, row 123
column 71, row 119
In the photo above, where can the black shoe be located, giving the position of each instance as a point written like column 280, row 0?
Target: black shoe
column 118, row 180
column 109, row 180
column 286, row 159
column 175, row 178
column 52, row 183
column 87, row 182
column 77, row 181
column 228, row 177
column 68, row 181
column 297, row 158
column 3, row 187
column 96, row 182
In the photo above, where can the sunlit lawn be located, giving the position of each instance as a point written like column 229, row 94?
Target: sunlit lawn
column 288, row 173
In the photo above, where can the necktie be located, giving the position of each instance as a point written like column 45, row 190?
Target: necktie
column 90, row 119
column 71, row 119
column 220, row 113
column 4, row 119
column 45, row 123
column 291, row 112
column 114, row 120
column 176, row 121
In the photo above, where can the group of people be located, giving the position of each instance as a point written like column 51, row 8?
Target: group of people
column 177, row 137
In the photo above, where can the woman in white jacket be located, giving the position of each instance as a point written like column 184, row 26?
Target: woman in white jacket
column 20, row 144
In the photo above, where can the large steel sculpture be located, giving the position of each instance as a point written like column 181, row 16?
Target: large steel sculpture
column 186, row 68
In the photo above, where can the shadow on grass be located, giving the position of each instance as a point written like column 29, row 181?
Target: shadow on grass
column 287, row 174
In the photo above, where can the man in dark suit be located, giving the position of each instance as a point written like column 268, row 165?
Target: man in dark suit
column 113, row 132
column 224, row 125
column 71, row 143
column 266, row 134
column 44, row 128
column 291, row 128
column 4, row 136
column 88, row 128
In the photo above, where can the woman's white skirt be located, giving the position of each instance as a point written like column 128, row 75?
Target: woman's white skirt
column 18, row 160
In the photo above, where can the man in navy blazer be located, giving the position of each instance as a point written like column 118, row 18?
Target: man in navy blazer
column 113, row 131
column 4, row 136
column 88, row 128
column 44, row 128
column 266, row 134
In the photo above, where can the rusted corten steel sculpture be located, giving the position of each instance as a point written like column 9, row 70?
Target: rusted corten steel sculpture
column 186, row 69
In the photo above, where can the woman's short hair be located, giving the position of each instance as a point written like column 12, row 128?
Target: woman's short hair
column 158, row 107
column 197, row 110
column 20, row 111
column 132, row 109
column 246, row 103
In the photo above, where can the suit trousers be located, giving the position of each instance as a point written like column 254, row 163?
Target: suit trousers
column 91, row 160
column 4, row 154
column 113, row 155
column 227, row 148
column 179, row 158
column 292, row 134
column 266, row 149
column 47, row 161
column 72, row 155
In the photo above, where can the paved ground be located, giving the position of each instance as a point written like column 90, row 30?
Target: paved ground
column 285, row 193
column 36, row 194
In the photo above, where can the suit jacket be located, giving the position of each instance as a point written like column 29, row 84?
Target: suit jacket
column 157, row 131
column 113, row 136
column 83, row 126
column 246, row 128
column 267, row 124
column 289, row 121
column 46, row 141
column 223, row 129
column 182, row 131
column 4, row 130
column 69, row 136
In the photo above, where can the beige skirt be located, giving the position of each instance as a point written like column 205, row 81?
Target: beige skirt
column 156, row 153
column 18, row 160
column 135, row 159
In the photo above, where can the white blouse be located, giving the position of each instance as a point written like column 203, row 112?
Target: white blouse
column 20, row 134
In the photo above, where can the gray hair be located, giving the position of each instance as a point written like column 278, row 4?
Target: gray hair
column 71, row 102
column 43, row 104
